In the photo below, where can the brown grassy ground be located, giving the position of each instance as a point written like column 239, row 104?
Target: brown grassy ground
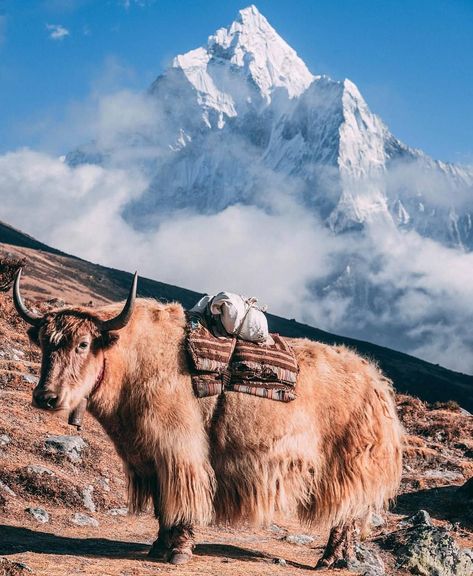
column 439, row 457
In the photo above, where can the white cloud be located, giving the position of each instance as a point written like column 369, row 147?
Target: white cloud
column 393, row 288
column 57, row 31
column 140, row 3
column 284, row 257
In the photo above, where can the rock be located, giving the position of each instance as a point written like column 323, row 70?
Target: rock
column 30, row 379
column 429, row 550
column 87, row 498
column 6, row 489
column 366, row 561
column 280, row 561
column 9, row 568
column 39, row 470
column 104, row 483
column 4, row 440
column 421, row 518
column 69, row 447
column 277, row 529
column 84, row 520
column 118, row 512
column 299, row 539
column 377, row 521
column 38, row 514
column 445, row 476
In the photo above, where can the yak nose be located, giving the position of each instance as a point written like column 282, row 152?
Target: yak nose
column 45, row 400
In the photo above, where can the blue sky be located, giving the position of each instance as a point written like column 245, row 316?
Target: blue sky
column 412, row 60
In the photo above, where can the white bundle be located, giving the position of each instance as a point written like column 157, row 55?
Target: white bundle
column 239, row 315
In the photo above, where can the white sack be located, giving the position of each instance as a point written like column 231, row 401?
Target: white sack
column 240, row 316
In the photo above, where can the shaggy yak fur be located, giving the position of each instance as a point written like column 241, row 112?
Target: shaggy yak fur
column 333, row 455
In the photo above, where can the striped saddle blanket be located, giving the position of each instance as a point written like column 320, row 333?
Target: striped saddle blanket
column 226, row 363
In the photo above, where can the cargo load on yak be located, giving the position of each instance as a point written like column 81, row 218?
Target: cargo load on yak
column 230, row 349
column 234, row 315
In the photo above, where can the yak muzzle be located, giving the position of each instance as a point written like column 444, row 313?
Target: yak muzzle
column 45, row 400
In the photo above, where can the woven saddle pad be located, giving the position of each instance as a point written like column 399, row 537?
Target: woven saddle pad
column 222, row 364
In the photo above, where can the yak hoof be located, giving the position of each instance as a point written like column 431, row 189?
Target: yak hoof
column 180, row 557
column 334, row 562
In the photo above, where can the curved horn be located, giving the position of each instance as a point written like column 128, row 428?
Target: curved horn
column 33, row 319
column 123, row 318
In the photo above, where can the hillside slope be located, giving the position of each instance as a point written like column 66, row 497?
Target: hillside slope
column 63, row 514
column 52, row 274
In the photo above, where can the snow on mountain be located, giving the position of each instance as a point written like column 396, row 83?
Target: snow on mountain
column 243, row 114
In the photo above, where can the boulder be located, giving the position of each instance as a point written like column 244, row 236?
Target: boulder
column 4, row 440
column 87, row 498
column 426, row 550
column 299, row 539
column 38, row 470
column 70, row 447
column 118, row 512
column 39, row 514
column 84, row 520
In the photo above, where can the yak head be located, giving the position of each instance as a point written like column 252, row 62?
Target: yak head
column 72, row 343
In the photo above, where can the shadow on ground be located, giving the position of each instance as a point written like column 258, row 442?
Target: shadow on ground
column 16, row 540
column 445, row 503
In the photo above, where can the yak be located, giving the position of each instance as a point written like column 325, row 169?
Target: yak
column 332, row 456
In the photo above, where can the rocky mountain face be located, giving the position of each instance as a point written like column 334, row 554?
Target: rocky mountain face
column 243, row 116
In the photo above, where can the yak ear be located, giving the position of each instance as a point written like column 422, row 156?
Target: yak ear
column 109, row 339
column 33, row 334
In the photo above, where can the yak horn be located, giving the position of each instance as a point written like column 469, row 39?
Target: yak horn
column 33, row 319
column 123, row 318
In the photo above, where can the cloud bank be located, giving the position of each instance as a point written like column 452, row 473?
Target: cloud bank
column 384, row 285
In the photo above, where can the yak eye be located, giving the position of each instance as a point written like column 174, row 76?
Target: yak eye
column 83, row 346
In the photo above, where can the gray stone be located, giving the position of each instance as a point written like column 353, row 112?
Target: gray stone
column 69, row 447
column 421, row 518
column 84, row 520
column 280, row 561
column 277, row 529
column 30, row 379
column 118, row 512
column 366, row 561
column 9, row 567
column 6, row 489
column 87, row 498
column 429, row 550
column 104, row 483
column 39, row 470
column 4, row 440
column 38, row 514
column 299, row 539
column 377, row 521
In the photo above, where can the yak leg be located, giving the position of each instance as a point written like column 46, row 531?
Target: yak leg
column 340, row 548
column 174, row 543
column 181, row 543
column 160, row 546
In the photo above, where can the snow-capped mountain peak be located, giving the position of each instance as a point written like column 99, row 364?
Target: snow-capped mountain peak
column 252, row 43
column 248, row 50
column 245, row 105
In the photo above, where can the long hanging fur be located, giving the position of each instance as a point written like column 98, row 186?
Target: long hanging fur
column 332, row 455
